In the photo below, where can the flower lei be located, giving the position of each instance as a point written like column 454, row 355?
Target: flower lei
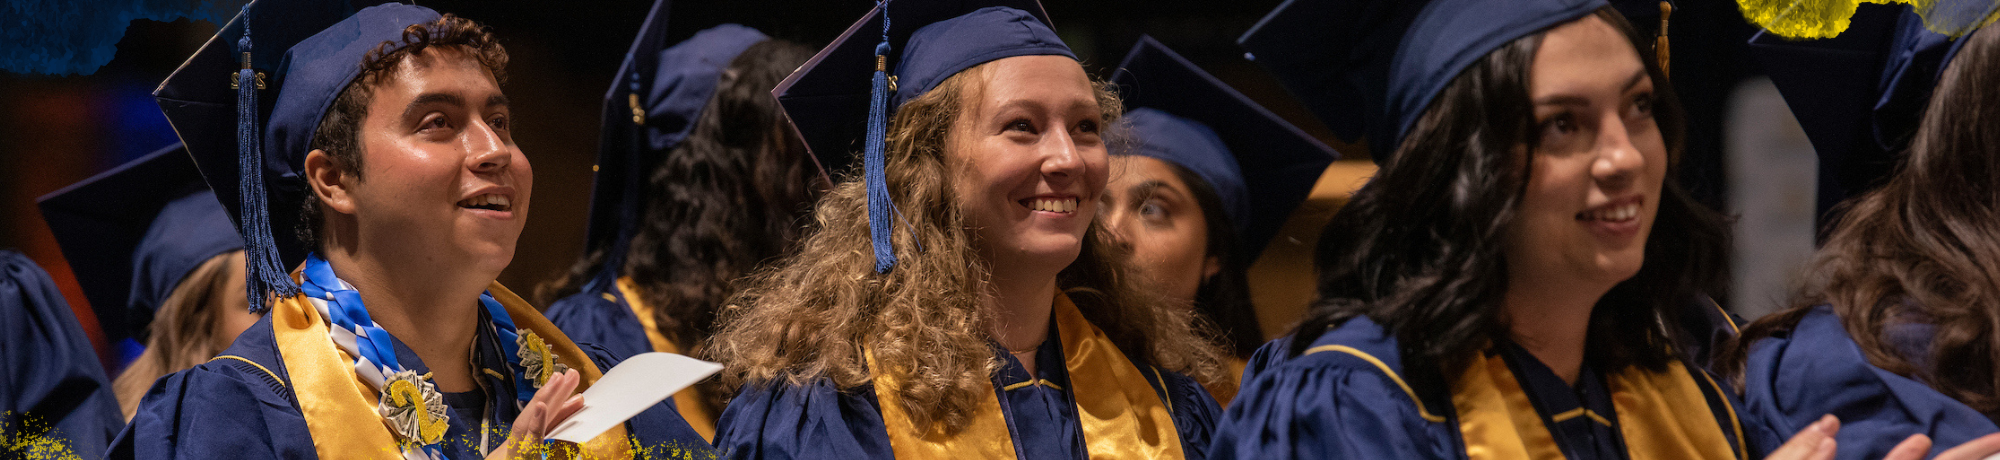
column 409, row 403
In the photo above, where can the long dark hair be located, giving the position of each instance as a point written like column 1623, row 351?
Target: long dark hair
column 1906, row 254
column 1419, row 248
column 731, row 197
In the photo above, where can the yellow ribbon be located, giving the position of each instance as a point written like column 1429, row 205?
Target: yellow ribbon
column 334, row 401
column 1120, row 414
column 692, row 403
column 1656, row 414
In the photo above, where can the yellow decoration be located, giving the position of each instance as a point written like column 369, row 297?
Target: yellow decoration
column 1806, row 19
column 536, row 360
column 414, row 409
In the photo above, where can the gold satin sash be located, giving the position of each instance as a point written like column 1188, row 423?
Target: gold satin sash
column 1656, row 414
column 692, row 404
column 1120, row 414
column 335, row 402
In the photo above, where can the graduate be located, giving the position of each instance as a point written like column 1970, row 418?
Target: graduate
column 696, row 193
column 1510, row 283
column 384, row 135
column 958, row 299
column 1892, row 330
column 160, row 262
column 1205, row 179
column 54, row 399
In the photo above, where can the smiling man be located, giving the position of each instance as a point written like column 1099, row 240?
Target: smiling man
column 390, row 142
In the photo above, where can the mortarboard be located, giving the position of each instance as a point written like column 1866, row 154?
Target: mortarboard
column 1370, row 68
column 133, row 233
column 843, row 95
column 1859, row 95
column 1260, row 167
column 247, row 104
column 650, row 108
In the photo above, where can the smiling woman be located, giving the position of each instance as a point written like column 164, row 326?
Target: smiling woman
column 996, row 320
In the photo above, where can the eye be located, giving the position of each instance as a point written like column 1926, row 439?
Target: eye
column 1556, row 130
column 1642, row 104
column 1022, row 125
column 1087, row 126
column 498, row 122
column 1153, row 210
column 436, row 121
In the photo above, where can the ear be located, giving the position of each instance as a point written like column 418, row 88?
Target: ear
column 1210, row 266
column 331, row 185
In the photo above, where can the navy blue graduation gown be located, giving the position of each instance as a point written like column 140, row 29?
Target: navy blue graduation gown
column 239, row 406
column 1342, row 405
column 1795, row 376
column 52, row 388
column 819, row 421
column 593, row 319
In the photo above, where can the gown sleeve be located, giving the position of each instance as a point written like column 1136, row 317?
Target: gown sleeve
column 1194, row 413
column 659, row 430
column 590, row 318
column 778, row 421
column 1792, row 378
column 217, row 410
column 1325, row 405
column 52, row 380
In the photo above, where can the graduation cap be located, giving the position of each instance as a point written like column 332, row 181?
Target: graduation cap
column 650, row 108
column 1860, row 95
column 133, row 233
column 1260, row 167
column 247, row 104
column 1371, row 67
column 843, row 97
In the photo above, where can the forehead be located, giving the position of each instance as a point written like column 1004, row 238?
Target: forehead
column 438, row 69
column 1036, row 80
column 1583, row 56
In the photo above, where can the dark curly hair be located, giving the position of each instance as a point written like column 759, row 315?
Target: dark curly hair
column 339, row 133
column 1419, row 248
column 731, row 197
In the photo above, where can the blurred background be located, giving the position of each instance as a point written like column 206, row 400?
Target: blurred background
column 63, row 123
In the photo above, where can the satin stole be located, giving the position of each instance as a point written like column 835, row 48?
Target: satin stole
column 1662, row 415
column 336, row 403
column 1120, row 414
column 691, row 403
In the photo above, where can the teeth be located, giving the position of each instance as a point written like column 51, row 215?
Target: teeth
column 1616, row 214
column 486, row 200
column 1064, row 205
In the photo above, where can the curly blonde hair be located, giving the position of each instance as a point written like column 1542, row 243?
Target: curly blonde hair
column 813, row 315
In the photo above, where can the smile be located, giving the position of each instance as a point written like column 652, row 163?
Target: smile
column 1616, row 212
column 488, row 201
column 1055, row 205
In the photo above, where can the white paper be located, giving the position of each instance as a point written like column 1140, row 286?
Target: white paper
column 628, row 389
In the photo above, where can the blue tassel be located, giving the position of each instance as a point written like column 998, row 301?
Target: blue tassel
column 264, row 274
column 881, row 209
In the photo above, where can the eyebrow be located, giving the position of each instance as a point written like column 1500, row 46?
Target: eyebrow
column 1575, row 100
column 1148, row 189
column 432, row 98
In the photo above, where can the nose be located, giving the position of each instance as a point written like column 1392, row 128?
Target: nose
column 486, row 150
column 1113, row 220
column 1060, row 156
column 1618, row 160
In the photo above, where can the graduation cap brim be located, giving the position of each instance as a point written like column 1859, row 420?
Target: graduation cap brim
column 1279, row 162
column 827, row 98
column 100, row 221
column 1832, row 86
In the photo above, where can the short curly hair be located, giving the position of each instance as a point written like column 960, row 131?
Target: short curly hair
column 339, row 133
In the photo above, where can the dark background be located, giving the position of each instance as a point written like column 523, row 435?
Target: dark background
column 55, row 131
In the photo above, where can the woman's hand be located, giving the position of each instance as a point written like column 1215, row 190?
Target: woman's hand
column 551, row 405
column 1813, row 443
column 1918, row 445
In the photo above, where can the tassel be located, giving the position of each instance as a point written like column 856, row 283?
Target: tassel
column 264, row 274
column 1660, row 48
column 881, row 209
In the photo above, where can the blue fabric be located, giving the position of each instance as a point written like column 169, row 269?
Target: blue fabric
column 1338, row 405
column 1371, row 67
column 52, row 387
column 227, row 408
column 1260, row 166
column 1794, row 377
column 131, row 234
column 590, row 318
column 819, row 421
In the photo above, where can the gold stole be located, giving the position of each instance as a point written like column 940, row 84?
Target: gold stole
column 336, row 403
column 1657, row 414
column 693, row 406
column 1120, row 414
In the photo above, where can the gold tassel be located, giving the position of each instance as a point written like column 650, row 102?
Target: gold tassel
column 1660, row 48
